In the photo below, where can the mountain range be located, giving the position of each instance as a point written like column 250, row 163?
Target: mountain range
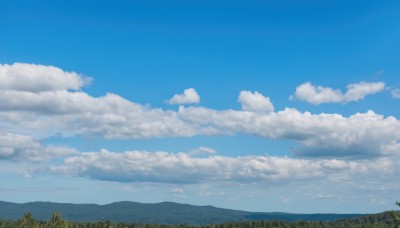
column 157, row 213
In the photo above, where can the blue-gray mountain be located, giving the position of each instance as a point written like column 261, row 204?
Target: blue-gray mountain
column 158, row 213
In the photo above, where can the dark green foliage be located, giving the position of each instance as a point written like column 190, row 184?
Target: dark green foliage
column 396, row 215
column 27, row 221
column 385, row 219
column 57, row 221
column 376, row 220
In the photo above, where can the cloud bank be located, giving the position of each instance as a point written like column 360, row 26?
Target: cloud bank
column 328, row 145
column 181, row 168
column 362, row 134
column 58, row 111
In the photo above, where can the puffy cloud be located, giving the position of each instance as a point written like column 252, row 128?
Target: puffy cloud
column 255, row 102
column 142, row 166
column 189, row 96
column 360, row 135
column 317, row 94
column 50, row 102
column 333, row 153
column 15, row 147
column 395, row 93
column 36, row 99
column 68, row 113
column 58, row 111
column 358, row 91
column 38, row 78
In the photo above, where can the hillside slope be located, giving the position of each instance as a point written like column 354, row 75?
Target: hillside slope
column 158, row 213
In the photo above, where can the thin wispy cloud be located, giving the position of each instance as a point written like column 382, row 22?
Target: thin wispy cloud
column 395, row 93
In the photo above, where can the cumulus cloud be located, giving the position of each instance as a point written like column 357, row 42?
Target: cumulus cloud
column 142, row 166
column 58, row 111
column 362, row 134
column 39, row 78
column 318, row 94
column 71, row 113
column 37, row 99
column 189, row 96
column 62, row 112
column 110, row 116
column 15, row 147
column 332, row 150
column 358, row 91
column 255, row 102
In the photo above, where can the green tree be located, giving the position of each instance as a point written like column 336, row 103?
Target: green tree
column 56, row 221
column 395, row 215
column 27, row 221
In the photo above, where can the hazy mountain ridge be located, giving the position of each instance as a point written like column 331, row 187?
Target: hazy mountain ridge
column 158, row 213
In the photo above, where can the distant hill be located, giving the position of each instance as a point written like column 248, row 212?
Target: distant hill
column 158, row 213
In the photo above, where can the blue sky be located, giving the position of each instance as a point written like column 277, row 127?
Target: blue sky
column 278, row 104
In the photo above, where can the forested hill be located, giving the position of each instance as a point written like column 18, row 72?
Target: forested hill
column 158, row 213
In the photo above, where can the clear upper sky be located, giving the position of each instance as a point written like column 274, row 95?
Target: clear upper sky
column 253, row 105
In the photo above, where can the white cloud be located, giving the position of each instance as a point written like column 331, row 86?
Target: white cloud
column 362, row 134
column 69, row 113
column 141, row 166
column 39, row 78
column 189, row 96
column 34, row 100
column 45, row 113
column 333, row 152
column 358, row 91
column 395, row 93
column 317, row 94
column 255, row 102
column 14, row 147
